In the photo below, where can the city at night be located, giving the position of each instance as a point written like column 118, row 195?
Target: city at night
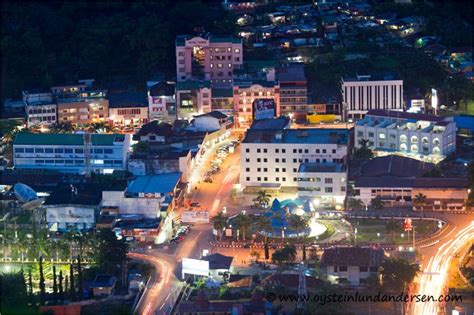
column 237, row 157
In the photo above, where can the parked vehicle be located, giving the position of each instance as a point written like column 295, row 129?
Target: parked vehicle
column 195, row 204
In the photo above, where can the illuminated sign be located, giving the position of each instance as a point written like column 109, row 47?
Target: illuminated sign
column 434, row 98
column 195, row 216
column 263, row 109
column 407, row 224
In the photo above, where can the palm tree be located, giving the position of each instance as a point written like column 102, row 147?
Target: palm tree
column 99, row 127
column 397, row 274
column 264, row 224
column 41, row 283
column 377, row 203
column 62, row 127
column 420, row 201
column 243, row 222
column 355, row 204
column 298, row 223
column 220, row 223
column 263, row 198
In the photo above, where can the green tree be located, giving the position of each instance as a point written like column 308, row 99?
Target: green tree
column 61, row 290
column 109, row 252
column 298, row 223
column 141, row 147
column 14, row 294
column 377, row 203
column 79, row 276
column 284, row 255
column 363, row 152
column 30, row 286
column 55, row 285
column 72, row 287
column 397, row 274
column 243, row 223
column 419, row 201
column 220, row 223
column 264, row 225
column 263, row 198
column 355, row 204
column 41, row 281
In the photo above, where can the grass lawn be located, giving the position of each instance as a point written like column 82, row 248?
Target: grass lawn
column 470, row 107
column 367, row 230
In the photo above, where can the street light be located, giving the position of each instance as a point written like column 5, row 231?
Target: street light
column 243, row 212
column 378, row 234
column 224, row 210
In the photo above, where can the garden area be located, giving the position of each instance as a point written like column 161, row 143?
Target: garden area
column 391, row 231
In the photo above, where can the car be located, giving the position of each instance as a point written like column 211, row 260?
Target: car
column 195, row 204
column 173, row 241
column 208, row 180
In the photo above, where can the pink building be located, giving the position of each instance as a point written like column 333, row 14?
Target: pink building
column 208, row 58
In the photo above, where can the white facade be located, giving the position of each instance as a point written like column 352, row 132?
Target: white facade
column 70, row 217
column 162, row 108
column 276, row 161
column 364, row 93
column 71, row 153
column 41, row 113
column 148, row 207
column 327, row 182
column 193, row 101
column 412, row 134
column 128, row 116
column 353, row 275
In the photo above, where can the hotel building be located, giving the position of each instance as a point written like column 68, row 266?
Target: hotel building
column 365, row 92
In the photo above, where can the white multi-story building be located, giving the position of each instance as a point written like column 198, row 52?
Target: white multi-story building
column 162, row 102
column 193, row 98
column 326, row 181
column 210, row 58
column 40, row 108
column 275, row 158
column 71, row 153
column 365, row 92
column 417, row 135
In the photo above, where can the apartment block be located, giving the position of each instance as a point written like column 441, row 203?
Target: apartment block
column 208, row 57
column 365, row 92
column 71, row 153
column 417, row 135
column 295, row 159
column 81, row 104
column 193, row 98
column 40, row 107
column 293, row 91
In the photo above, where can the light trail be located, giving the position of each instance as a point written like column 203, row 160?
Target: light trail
column 433, row 279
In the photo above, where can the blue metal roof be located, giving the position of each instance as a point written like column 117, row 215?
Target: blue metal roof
column 162, row 183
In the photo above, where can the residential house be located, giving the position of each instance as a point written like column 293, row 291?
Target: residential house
column 351, row 265
column 128, row 110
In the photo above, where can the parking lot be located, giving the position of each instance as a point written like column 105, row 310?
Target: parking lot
column 221, row 154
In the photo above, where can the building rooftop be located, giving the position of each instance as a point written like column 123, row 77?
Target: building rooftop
column 215, row 113
column 162, row 183
column 218, row 261
column 309, row 135
column 279, row 123
column 320, row 168
column 394, row 165
column 242, row 84
column 156, row 127
column 291, row 73
column 291, row 281
column 371, row 77
column 465, row 122
column 181, row 39
column 162, row 89
column 192, row 85
column 404, row 115
column 352, row 256
column 127, row 99
column 79, row 194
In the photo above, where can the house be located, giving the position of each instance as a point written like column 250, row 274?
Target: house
column 155, row 132
column 151, row 195
column 351, row 265
column 128, row 109
column 193, row 97
column 211, row 121
column 441, row 194
column 72, row 207
column 162, row 102
column 219, row 265
column 103, row 285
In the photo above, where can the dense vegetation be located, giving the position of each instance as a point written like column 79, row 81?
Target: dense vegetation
column 49, row 42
